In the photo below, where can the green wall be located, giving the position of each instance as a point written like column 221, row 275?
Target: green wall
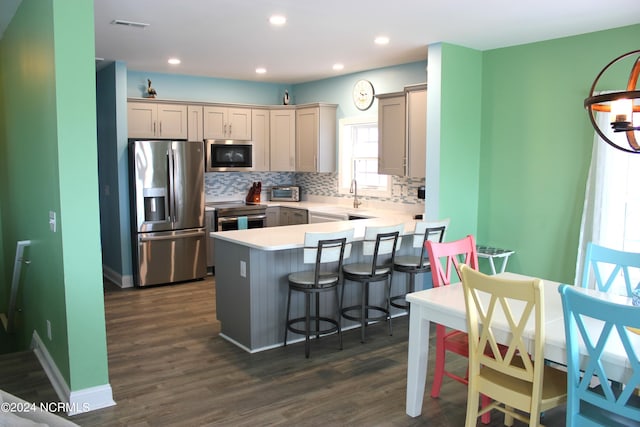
column 49, row 135
column 459, row 138
column 536, row 146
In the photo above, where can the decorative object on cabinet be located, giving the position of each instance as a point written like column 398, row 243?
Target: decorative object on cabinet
column 151, row 92
column 621, row 104
column 363, row 93
column 285, row 98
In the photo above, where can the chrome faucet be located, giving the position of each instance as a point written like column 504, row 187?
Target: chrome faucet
column 354, row 190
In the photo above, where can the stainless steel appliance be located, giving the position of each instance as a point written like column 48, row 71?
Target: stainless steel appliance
column 167, row 208
column 234, row 215
column 289, row 193
column 226, row 155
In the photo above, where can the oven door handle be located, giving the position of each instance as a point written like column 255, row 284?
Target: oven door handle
column 235, row 218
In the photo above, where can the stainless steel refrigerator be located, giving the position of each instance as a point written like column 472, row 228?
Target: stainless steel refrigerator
column 167, row 208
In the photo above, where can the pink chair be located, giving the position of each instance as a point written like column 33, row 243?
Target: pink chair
column 455, row 253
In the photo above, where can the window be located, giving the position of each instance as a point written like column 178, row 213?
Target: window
column 612, row 203
column 358, row 157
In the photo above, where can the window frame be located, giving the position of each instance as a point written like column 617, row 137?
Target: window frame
column 345, row 168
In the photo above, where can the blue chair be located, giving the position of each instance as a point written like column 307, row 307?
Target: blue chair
column 599, row 256
column 590, row 323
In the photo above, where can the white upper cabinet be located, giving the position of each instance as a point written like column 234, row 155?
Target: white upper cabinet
column 260, row 129
column 283, row 140
column 194, row 123
column 402, row 132
column 156, row 120
column 316, row 138
column 227, row 123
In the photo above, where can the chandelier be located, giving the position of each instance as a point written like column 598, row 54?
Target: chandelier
column 620, row 104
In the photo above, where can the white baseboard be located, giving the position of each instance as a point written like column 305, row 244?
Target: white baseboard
column 125, row 281
column 85, row 400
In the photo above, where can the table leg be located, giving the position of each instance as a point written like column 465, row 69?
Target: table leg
column 504, row 263
column 493, row 266
column 417, row 360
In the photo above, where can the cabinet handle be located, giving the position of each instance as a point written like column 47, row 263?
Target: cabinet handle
column 154, row 128
column 230, row 132
column 160, row 128
column 224, row 131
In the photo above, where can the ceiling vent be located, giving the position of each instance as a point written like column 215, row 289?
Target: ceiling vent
column 129, row 23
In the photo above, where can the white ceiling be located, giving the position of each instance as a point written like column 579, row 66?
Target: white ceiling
column 231, row 38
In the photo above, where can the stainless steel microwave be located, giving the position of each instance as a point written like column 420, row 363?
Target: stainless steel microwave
column 225, row 155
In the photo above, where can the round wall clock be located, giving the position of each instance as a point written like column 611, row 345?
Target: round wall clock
column 363, row 94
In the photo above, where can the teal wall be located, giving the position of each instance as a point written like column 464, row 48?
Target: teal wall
column 459, row 138
column 204, row 89
column 536, row 146
column 48, row 141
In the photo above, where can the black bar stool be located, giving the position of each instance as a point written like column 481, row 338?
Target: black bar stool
column 380, row 243
column 415, row 264
column 319, row 249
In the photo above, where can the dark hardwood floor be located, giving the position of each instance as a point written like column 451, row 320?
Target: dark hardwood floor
column 169, row 367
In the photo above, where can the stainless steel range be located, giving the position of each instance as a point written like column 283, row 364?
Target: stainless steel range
column 234, row 215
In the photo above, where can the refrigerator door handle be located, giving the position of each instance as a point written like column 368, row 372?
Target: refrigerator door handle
column 170, row 178
column 174, row 208
column 172, row 236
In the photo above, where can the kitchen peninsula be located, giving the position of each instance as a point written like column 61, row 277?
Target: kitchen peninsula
column 251, row 277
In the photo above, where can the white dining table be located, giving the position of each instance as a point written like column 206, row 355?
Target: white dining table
column 445, row 305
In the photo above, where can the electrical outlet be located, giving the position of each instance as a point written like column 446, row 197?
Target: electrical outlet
column 243, row 269
column 49, row 330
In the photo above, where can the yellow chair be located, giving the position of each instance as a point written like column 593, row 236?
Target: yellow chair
column 498, row 310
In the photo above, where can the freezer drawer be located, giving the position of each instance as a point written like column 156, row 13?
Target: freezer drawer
column 172, row 256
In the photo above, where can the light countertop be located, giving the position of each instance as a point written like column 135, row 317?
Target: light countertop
column 292, row 236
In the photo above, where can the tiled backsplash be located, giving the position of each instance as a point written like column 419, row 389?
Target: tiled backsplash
column 235, row 185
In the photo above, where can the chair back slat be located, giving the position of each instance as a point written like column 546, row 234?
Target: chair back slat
column 434, row 231
column 372, row 244
column 500, row 310
column 330, row 249
column 591, row 325
column 610, row 268
column 452, row 254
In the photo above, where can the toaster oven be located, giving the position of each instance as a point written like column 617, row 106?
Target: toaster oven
column 289, row 193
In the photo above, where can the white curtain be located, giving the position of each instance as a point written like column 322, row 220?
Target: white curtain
column 611, row 177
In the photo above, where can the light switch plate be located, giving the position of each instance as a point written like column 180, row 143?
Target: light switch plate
column 52, row 221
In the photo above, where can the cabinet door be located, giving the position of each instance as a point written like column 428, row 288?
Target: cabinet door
column 416, row 133
column 172, row 121
column 283, row 140
column 194, row 123
column 273, row 216
column 298, row 216
column 260, row 133
column 141, row 119
column 238, row 123
column 391, row 135
column 307, row 139
column 214, row 119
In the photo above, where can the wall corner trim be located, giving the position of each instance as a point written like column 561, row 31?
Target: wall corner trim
column 85, row 400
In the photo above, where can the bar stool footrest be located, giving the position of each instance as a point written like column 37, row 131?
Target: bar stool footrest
column 403, row 305
column 312, row 320
column 367, row 318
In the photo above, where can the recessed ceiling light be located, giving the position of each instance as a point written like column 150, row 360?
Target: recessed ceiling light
column 338, row 67
column 278, row 20
column 173, row 61
column 381, row 40
column 261, row 70
column 129, row 23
